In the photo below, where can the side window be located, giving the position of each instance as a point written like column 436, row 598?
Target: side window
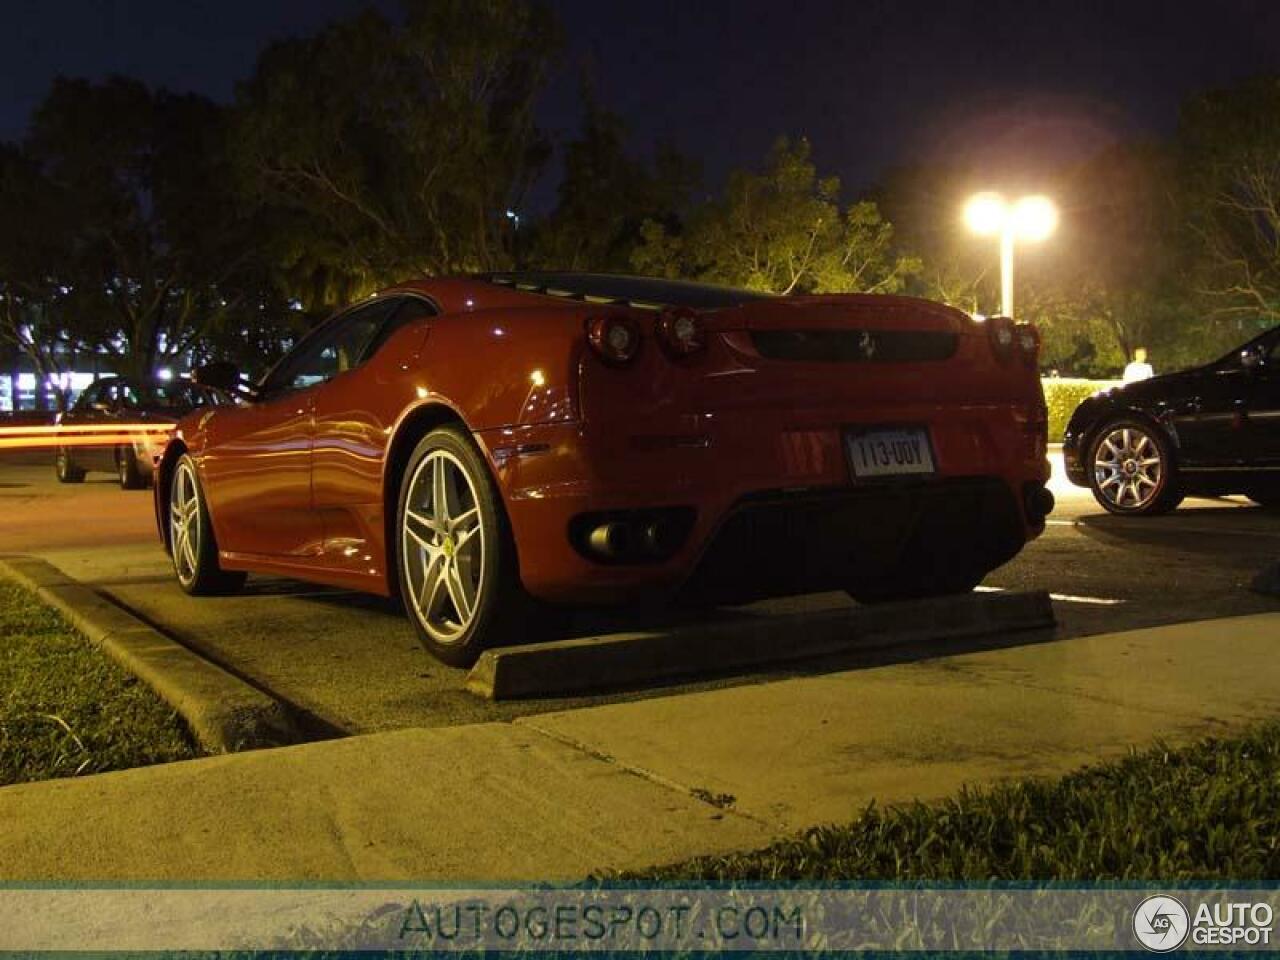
column 126, row 395
column 410, row 309
column 338, row 349
column 1273, row 349
column 88, row 397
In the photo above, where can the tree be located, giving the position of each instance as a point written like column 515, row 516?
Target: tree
column 606, row 197
column 29, row 291
column 783, row 231
column 386, row 150
column 144, row 244
column 924, row 204
column 1229, row 153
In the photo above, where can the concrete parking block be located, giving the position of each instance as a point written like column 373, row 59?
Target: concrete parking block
column 224, row 712
column 623, row 659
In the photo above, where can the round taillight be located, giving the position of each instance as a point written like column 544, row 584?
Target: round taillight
column 1028, row 338
column 616, row 339
column 1002, row 335
column 681, row 332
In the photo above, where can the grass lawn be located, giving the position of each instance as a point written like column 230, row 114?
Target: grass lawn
column 66, row 709
column 1208, row 812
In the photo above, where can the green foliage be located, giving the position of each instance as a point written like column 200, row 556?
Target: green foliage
column 381, row 150
column 1178, row 816
column 30, row 324
column 1228, row 151
column 1113, row 281
column 609, row 201
column 1074, row 342
column 65, row 709
column 924, row 204
column 1063, row 395
column 131, row 241
column 782, row 231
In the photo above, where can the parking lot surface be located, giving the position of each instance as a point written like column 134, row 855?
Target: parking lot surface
column 349, row 663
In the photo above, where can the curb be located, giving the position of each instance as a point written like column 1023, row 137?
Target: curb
column 622, row 659
column 224, row 713
column 1267, row 582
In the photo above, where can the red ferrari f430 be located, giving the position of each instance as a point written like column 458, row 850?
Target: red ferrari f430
column 481, row 446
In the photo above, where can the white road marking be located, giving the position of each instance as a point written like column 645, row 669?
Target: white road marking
column 1215, row 531
column 1169, row 528
column 1065, row 597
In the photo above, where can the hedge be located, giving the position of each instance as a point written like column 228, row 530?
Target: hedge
column 1063, row 394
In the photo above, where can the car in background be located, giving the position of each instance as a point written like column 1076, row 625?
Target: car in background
column 1212, row 430
column 489, row 445
column 127, row 400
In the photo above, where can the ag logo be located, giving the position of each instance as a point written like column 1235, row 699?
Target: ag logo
column 867, row 344
column 1161, row 923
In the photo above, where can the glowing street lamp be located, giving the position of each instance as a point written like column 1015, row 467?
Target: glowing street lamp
column 1031, row 218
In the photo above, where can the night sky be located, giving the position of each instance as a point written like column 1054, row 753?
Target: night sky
column 1016, row 89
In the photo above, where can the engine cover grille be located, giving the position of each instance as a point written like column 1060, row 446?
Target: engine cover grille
column 855, row 346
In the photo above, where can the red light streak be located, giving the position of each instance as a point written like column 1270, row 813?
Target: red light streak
column 82, row 435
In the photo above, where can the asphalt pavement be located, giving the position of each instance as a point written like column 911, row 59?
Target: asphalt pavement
column 348, row 663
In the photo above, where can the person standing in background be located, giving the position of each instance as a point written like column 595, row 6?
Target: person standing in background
column 1138, row 368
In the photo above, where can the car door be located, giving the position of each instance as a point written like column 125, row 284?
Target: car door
column 82, row 414
column 1264, row 407
column 257, row 467
column 1209, row 416
column 104, row 411
column 354, row 414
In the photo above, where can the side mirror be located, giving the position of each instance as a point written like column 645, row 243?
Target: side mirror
column 224, row 376
column 1253, row 358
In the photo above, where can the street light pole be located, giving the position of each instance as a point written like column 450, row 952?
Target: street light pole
column 1031, row 218
column 1006, row 271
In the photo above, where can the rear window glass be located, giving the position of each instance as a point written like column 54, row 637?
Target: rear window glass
column 636, row 291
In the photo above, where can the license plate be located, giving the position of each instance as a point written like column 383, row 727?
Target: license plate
column 889, row 453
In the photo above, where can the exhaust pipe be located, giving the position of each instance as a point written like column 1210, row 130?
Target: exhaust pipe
column 631, row 536
column 657, row 539
column 1039, row 502
column 610, row 540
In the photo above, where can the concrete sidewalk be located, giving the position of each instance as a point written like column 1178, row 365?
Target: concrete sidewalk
column 628, row 785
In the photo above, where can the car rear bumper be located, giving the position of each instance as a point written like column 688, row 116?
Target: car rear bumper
column 1072, row 463
column 773, row 507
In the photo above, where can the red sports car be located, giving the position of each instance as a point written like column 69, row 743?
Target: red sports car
column 481, row 446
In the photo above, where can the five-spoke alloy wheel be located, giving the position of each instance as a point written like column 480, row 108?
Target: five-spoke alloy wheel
column 1131, row 470
column 456, row 562
column 191, row 540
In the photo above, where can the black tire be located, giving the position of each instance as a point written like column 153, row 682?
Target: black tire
column 1167, row 491
column 196, row 564
column 130, row 476
column 499, row 608
column 65, row 469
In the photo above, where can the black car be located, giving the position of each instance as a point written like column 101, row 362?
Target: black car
column 127, row 400
column 1210, row 431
